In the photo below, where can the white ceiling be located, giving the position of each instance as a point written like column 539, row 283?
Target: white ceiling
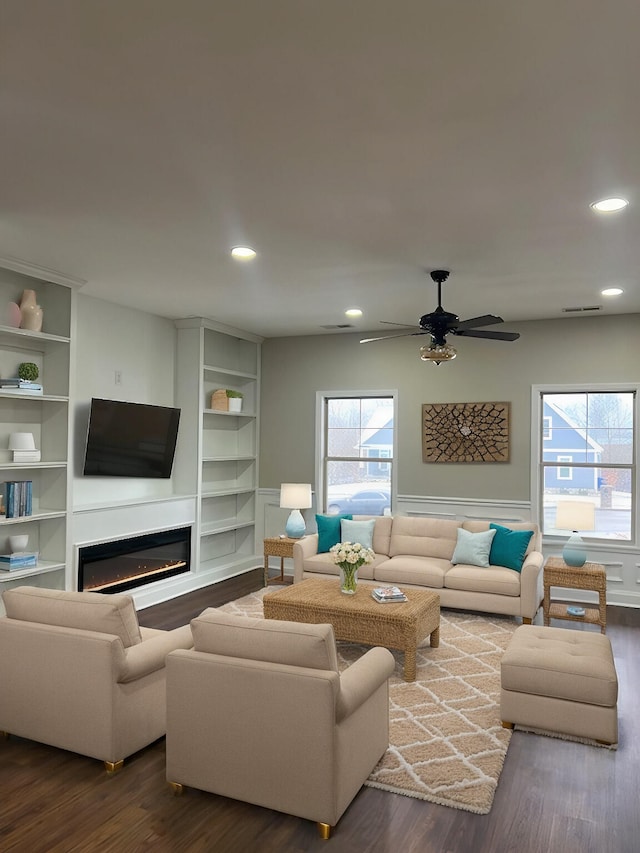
column 353, row 143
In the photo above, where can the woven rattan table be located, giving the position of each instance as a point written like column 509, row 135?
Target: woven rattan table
column 591, row 576
column 277, row 546
column 358, row 618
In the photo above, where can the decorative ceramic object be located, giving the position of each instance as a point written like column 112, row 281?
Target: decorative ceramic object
column 31, row 312
column 235, row 404
column 18, row 543
column 14, row 315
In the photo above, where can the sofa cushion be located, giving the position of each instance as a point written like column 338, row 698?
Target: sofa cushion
column 323, row 564
column 424, row 537
column 329, row 531
column 358, row 531
column 495, row 579
column 422, row 571
column 273, row 641
column 473, row 549
column 381, row 532
column 509, row 547
column 88, row 611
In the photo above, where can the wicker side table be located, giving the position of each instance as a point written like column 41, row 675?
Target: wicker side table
column 276, row 546
column 591, row 576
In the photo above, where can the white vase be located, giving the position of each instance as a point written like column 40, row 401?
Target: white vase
column 235, row 404
column 18, row 543
column 31, row 312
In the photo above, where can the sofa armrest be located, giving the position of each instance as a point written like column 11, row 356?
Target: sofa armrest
column 302, row 550
column 150, row 655
column 531, row 590
column 362, row 679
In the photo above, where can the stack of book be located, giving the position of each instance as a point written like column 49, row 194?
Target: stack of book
column 18, row 498
column 18, row 560
column 388, row 593
column 19, row 386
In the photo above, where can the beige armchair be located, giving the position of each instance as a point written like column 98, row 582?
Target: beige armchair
column 77, row 672
column 258, row 711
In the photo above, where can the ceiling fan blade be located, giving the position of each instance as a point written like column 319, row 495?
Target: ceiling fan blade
column 494, row 336
column 474, row 322
column 402, row 325
column 388, row 337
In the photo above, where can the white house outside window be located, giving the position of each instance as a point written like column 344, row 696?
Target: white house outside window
column 356, row 452
column 593, row 429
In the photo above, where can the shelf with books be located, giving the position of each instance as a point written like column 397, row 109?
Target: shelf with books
column 46, row 415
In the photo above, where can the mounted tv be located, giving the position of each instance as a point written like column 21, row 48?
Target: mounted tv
column 130, row 439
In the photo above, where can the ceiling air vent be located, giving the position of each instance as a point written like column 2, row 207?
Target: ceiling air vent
column 579, row 309
column 338, row 326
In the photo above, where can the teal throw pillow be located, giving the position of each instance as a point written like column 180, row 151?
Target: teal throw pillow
column 473, row 549
column 358, row 531
column 509, row 547
column 328, row 531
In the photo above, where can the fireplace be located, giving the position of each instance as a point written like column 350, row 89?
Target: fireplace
column 127, row 563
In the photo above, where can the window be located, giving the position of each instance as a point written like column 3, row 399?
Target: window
column 594, row 430
column 564, row 473
column 356, row 451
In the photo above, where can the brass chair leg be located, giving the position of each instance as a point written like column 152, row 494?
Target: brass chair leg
column 5, row 735
column 113, row 766
column 177, row 788
column 506, row 725
column 526, row 620
column 325, row 830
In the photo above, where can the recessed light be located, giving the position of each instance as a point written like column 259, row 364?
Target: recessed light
column 243, row 253
column 353, row 312
column 612, row 291
column 609, row 205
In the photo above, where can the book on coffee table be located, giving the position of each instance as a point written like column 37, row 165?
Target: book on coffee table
column 388, row 593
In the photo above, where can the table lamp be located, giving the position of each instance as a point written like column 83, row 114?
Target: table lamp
column 295, row 496
column 575, row 515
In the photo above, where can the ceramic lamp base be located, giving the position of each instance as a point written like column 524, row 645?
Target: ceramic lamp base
column 574, row 552
column 295, row 527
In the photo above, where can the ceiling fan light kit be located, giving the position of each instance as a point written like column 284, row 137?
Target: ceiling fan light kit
column 437, row 354
column 440, row 323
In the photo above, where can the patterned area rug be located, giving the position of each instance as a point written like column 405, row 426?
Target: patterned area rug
column 446, row 742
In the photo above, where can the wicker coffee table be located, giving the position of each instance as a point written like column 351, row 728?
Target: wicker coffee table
column 358, row 618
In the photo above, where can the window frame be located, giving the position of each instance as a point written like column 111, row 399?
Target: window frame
column 537, row 468
column 320, row 448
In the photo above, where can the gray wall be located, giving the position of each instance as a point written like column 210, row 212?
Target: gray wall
column 573, row 350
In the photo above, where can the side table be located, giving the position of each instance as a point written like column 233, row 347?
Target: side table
column 591, row 576
column 276, row 546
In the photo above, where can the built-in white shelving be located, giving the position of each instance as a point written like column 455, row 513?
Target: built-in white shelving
column 218, row 450
column 47, row 416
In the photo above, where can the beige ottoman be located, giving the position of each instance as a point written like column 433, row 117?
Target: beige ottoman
column 562, row 681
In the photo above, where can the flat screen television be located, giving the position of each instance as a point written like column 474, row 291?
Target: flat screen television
column 130, row 439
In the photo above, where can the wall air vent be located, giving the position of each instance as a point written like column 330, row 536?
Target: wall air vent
column 338, row 326
column 582, row 308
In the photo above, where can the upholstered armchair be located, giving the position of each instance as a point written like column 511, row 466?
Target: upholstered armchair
column 79, row 673
column 259, row 712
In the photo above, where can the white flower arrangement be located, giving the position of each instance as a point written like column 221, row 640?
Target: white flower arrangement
column 350, row 556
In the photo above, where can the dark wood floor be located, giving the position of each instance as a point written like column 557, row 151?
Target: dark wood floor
column 553, row 795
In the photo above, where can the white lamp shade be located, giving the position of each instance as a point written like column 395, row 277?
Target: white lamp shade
column 295, row 495
column 21, row 441
column 576, row 515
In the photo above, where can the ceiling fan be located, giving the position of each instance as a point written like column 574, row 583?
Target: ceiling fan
column 440, row 323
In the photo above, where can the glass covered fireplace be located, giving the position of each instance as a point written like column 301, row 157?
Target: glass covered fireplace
column 127, row 563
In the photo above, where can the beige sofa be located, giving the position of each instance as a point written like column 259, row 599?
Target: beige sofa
column 417, row 552
column 258, row 711
column 79, row 673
